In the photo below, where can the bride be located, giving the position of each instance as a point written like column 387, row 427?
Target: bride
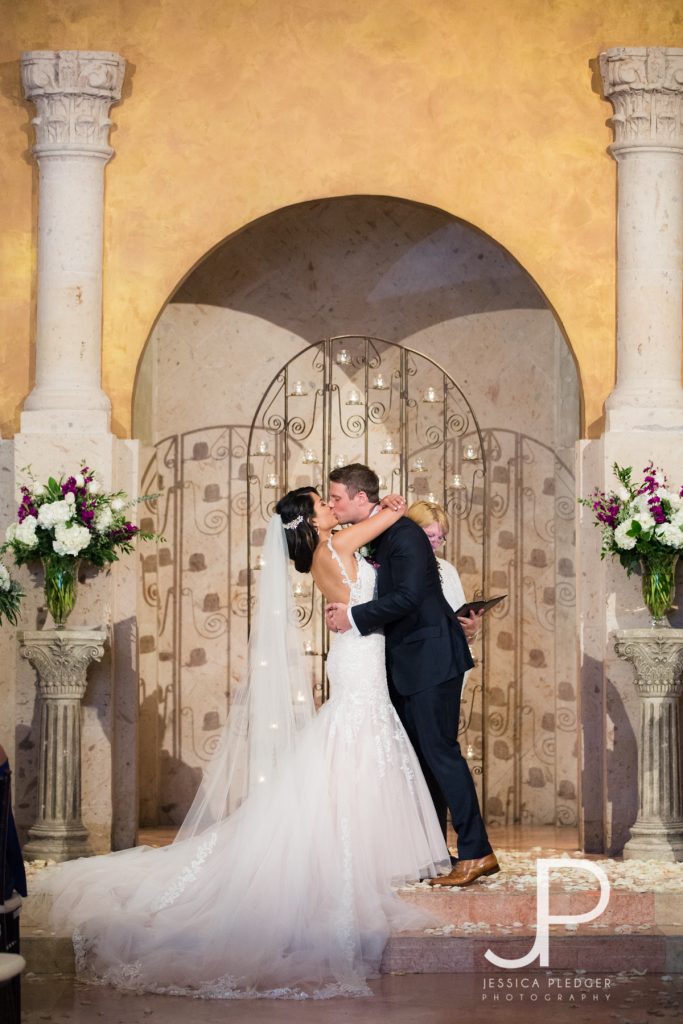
column 279, row 883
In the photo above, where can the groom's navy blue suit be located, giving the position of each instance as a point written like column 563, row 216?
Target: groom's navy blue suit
column 427, row 656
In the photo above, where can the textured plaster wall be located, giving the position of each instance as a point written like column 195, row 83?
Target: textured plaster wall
column 231, row 110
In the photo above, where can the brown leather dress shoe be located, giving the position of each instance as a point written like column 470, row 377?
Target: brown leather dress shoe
column 467, row 871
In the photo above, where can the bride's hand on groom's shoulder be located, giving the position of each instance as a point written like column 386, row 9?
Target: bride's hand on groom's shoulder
column 396, row 502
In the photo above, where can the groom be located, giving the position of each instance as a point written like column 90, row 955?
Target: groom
column 427, row 656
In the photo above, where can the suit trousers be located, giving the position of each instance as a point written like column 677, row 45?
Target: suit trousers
column 431, row 719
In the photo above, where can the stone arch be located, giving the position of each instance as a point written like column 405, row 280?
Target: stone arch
column 356, row 264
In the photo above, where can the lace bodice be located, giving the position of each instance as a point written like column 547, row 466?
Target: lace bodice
column 363, row 587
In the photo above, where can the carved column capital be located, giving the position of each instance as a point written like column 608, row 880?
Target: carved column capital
column 657, row 656
column 644, row 84
column 73, row 91
column 61, row 658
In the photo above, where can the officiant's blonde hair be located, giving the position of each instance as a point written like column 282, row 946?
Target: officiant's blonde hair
column 424, row 513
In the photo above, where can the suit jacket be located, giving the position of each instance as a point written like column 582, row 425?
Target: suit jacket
column 425, row 643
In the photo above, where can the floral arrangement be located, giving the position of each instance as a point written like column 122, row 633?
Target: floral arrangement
column 65, row 521
column 72, row 518
column 638, row 521
column 10, row 596
column 642, row 524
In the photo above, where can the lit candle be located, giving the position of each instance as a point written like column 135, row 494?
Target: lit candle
column 430, row 395
column 261, row 448
column 260, row 562
column 340, row 461
column 431, row 497
column 388, row 448
column 299, row 389
column 308, row 647
column 343, row 357
column 309, row 456
column 419, row 466
column 300, row 697
column 354, row 398
column 470, row 453
column 470, row 751
column 379, row 383
column 456, row 482
column 298, row 590
column 272, row 480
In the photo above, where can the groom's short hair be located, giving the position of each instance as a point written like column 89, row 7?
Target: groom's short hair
column 355, row 478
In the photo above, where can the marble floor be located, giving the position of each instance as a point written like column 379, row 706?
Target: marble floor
column 429, row 999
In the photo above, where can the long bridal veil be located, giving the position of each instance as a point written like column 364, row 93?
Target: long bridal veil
column 268, row 708
column 280, row 881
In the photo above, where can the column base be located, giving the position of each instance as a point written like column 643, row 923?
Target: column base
column 655, row 842
column 45, row 843
column 55, row 422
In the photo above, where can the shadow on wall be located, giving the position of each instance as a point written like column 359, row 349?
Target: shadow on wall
column 420, row 266
column 622, row 773
column 175, row 778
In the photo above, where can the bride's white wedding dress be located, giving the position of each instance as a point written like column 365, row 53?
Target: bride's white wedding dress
column 290, row 896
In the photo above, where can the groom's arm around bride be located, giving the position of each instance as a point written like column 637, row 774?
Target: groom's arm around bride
column 427, row 655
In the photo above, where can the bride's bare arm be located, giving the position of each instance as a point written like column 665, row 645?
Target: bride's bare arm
column 354, row 537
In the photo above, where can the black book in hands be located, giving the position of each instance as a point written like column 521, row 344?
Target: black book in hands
column 482, row 605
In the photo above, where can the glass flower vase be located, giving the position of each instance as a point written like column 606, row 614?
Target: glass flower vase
column 61, row 580
column 659, row 585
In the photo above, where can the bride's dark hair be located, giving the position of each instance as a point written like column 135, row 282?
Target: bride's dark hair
column 302, row 540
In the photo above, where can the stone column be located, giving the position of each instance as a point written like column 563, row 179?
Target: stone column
column 658, row 660
column 61, row 659
column 66, row 421
column 644, row 415
column 645, row 87
column 72, row 92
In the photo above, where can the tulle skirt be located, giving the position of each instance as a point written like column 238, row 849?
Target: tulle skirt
column 291, row 896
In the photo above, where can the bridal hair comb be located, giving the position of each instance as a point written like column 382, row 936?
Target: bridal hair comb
column 294, row 523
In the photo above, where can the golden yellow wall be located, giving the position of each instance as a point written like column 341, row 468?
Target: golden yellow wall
column 234, row 108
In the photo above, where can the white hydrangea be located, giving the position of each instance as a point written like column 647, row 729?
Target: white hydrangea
column 80, row 480
column 623, row 494
column 646, row 520
column 53, row 513
column 70, row 498
column 38, row 489
column 670, row 534
column 621, row 537
column 5, row 581
column 24, row 532
column 94, row 487
column 103, row 519
column 70, row 540
column 118, row 505
column 641, row 502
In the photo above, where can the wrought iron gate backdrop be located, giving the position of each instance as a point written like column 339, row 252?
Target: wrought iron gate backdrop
column 510, row 500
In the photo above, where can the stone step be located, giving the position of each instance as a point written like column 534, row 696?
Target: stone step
column 654, row 952
column 640, row 929
column 482, row 904
column 651, row 953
